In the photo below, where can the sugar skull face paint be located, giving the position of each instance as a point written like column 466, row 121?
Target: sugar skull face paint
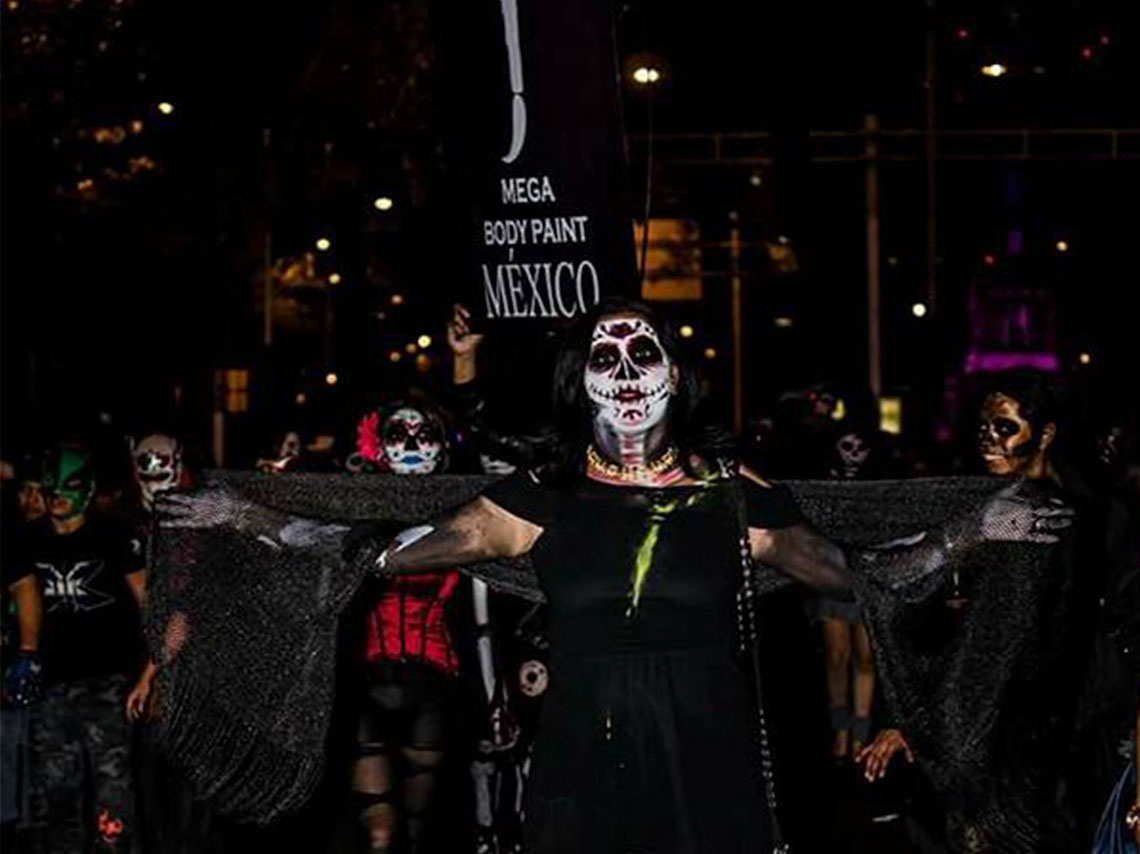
column 412, row 443
column 628, row 375
column 1005, row 438
column 158, row 466
column 853, row 452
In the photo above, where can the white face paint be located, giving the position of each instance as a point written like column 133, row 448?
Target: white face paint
column 412, row 443
column 158, row 466
column 533, row 678
column 853, row 452
column 628, row 375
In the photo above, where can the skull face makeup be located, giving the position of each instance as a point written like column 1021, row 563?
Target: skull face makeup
column 1006, row 439
column 853, row 452
column 412, row 443
column 158, row 466
column 533, row 678
column 628, row 375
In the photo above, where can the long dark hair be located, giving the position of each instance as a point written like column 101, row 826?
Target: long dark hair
column 573, row 412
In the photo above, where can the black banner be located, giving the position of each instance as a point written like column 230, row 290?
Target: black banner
column 537, row 134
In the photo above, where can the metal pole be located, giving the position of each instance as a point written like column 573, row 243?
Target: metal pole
column 737, row 327
column 267, row 262
column 874, row 334
column 931, row 161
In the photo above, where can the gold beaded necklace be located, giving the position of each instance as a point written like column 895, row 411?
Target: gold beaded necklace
column 635, row 473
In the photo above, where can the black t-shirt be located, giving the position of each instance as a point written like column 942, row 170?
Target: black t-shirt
column 91, row 622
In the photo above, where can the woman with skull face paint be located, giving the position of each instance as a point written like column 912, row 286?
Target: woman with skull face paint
column 640, row 539
column 636, row 537
column 409, row 662
column 1016, row 437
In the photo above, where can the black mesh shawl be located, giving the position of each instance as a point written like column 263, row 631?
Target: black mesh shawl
column 245, row 632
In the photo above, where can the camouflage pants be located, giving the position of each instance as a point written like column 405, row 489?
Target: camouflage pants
column 82, row 793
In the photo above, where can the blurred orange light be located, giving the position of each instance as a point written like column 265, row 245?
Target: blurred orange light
column 397, row 299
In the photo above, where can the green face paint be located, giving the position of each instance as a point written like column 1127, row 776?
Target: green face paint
column 68, row 481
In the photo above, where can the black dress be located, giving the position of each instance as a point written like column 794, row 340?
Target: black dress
column 646, row 742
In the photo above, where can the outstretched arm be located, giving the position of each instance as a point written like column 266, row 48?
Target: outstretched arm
column 479, row 530
column 804, row 554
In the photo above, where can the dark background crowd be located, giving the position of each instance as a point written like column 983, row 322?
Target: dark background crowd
column 820, row 684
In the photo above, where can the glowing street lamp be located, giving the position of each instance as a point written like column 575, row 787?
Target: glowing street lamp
column 1084, row 358
column 918, row 309
column 397, row 299
column 331, row 378
column 710, row 353
column 686, row 331
column 1062, row 246
column 166, row 108
column 424, row 341
column 383, row 203
column 646, row 75
column 334, row 278
column 324, row 244
column 994, row 69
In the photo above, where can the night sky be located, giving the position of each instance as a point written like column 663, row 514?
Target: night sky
column 134, row 239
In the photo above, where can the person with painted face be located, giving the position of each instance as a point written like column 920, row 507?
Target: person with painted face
column 641, row 539
column 636, row 538
column 1017, row 428
column 408, row 665
column 92, row 579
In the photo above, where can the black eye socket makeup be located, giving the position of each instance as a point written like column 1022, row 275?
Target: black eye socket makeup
column 603, row 357
column 644, row 351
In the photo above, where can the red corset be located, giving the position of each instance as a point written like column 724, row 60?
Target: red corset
column 407, row 622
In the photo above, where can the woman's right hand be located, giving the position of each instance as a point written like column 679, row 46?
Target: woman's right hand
column 876, row 756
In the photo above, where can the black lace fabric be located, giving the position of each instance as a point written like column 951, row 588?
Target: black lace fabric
column 244, row 627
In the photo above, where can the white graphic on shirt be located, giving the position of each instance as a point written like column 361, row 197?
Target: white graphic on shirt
column 71, row 589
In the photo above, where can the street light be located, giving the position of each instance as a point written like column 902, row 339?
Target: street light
column 710, row 353
column 331, row 378
column 424, row 341
column 646, row 75
column 1062, row 245
column 1085, row 358
column 397, row 299
column 383, row 203
column 324, row 244
column 166, row 108
column 918, row 309
column 994, row 69
column 334, row 278
column 686, row 331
